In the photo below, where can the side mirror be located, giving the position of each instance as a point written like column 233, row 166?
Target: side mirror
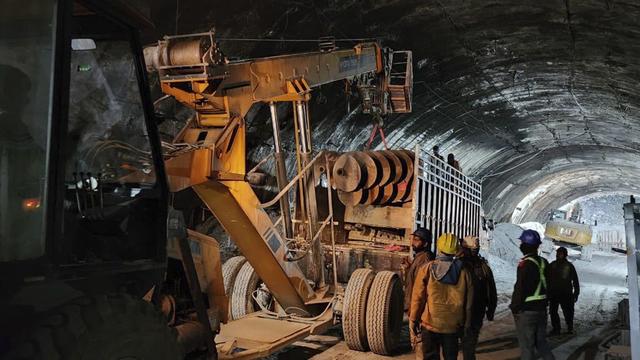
column 82, row 44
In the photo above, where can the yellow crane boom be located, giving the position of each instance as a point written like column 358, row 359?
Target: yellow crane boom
column 193, row 70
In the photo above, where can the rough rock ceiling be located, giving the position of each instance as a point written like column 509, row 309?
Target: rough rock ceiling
column 525, row 93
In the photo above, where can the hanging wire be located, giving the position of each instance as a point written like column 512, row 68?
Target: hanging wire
column 294, row 40
column 209, row 33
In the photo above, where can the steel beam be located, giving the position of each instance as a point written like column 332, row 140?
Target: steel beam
column 237, row 209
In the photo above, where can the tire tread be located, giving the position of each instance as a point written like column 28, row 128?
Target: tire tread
column 241, row 299
column 384, row 306
column 355, row 307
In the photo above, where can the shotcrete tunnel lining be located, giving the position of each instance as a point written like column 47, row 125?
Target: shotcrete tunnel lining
column 548, row 90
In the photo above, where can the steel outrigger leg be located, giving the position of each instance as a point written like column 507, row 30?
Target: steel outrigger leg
column 177, row 229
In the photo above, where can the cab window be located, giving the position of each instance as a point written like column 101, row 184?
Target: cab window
column 26, row 43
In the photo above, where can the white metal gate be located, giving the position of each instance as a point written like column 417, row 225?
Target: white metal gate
column 445, row 200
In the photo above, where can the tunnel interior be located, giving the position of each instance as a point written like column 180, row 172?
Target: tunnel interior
column 539, row 102
column 528, row 96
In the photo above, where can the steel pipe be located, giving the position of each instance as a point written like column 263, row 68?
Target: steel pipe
column 281, row 172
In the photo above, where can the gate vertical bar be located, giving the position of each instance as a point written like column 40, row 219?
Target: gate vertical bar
column 428, row 188
column 456, row 212
column 447, row 202
column 632, row 228
column 467, row 208
column 479, row 209
column 437, row 200
column 432, row 225
column 452, row 217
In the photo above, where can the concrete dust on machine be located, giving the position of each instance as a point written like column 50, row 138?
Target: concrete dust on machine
column 566, row 229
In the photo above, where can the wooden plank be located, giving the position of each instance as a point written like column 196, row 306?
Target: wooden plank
column 255, row 336
column 310, row 345
column 380, row 216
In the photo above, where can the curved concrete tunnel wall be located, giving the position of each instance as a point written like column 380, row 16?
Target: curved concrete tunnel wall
column 526, row 94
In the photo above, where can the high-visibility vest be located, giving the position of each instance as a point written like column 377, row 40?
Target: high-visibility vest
column 542, row 282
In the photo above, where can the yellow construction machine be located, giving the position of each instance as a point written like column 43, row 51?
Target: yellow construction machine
column 570, row 232
column 85, row 222
column 285, row 254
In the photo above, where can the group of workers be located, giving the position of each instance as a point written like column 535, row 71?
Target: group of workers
column 448, row 295
column 451, row 158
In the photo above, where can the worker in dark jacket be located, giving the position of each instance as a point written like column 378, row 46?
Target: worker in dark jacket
column 485, row 296
column 529, row 299
column 451, row 160
column 421, row 241
column 436, row 153
column 564, row 289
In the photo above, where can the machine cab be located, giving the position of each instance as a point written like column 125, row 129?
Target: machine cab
column 82, row 186
column 558, row 215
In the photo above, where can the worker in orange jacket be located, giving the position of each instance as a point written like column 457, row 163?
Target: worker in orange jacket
column 441, row 301
column 421, row 246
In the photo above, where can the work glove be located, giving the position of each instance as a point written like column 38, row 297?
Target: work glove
column 406, row 263
column 415, row 334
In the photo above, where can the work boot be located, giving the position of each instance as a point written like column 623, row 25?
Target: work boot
column 554, row 332
column 570, row 331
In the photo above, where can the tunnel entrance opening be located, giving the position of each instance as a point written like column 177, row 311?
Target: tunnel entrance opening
column 594, row 220
column 603, row 276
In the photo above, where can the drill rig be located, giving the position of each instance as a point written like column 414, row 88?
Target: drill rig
column 210, row 157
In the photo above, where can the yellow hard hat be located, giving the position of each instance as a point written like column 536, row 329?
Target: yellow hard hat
column 448, row 244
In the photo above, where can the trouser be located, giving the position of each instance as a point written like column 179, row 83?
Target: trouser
column 419, row 350
column 567, row 312
column 531, row 327
column 470, row 341
column 432, row 343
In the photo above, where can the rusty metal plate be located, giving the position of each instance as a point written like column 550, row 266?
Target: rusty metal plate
column 261, row 330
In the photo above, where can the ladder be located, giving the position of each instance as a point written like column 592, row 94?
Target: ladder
column 401, row 81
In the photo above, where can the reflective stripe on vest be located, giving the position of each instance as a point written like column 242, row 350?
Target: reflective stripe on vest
column 542, row 282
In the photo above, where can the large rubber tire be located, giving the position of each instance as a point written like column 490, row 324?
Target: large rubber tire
column 384, row 313
column 245, row 285
column 354, row 313
column 230, row 270
column 106, row 327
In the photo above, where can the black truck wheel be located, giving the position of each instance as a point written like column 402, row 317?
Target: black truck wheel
column 106, row 327
column 354, row 309
column 384, row 313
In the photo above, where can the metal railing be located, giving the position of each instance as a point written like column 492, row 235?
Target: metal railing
column 445, row 200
